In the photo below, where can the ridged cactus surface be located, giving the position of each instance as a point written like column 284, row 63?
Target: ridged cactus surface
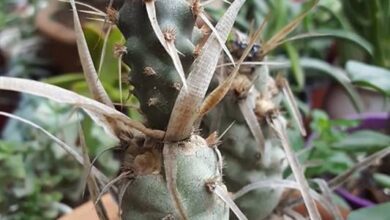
column 153, row 73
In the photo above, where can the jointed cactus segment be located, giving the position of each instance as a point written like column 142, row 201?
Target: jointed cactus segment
column 197, row 166
column 153, row 74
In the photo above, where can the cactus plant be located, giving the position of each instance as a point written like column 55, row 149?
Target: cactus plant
column 168, row 171
column 192, row 166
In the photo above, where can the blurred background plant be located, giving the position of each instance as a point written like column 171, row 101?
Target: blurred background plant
column 39, row 179
column 342, row 41
column 328, row 47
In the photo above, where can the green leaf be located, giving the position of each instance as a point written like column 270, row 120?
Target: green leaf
column 382, row 179
column 378, row 212
column 299, row 75
column 371, row 76
column 336, row 73
column 343, row 35
column 363, row 141
column 65, row 80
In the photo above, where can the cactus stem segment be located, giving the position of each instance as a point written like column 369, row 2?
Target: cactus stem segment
column 169, row 46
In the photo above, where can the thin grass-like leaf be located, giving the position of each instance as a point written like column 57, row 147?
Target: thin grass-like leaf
column 211, row 1
column 169, row 46
column 93, row 187
column 91, row 165
column 278, row 37
column 120, row 79
column 95, row 86
column 217, row 94
column 292, row 213
column 170, row 169
column 85, row 5
column 342, row 178
column 113, row 121
column 252, row 122
column 336, row 73
column 278, row 183
column 328, row 196
column 96, row 19
column 220, row 161
column 104, row 49
column 188, row 102
column 122, row 176
column 223, row 45
column 330, row 33
column 226, row 130
column 91, row 12
column 268, row 183
column 122, row 192
column 297, row 70
column 254, row 63
column 222, row 194
column 292, row 104
column 279, row 128
column 70, row 150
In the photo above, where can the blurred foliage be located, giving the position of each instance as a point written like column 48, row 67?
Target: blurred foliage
column 335, row 148
column 336, row 31
column 371, row 20
column 369, row 76
column 37, row 173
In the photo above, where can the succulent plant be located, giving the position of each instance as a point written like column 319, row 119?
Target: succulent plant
column 187, row 170
column 168, row 171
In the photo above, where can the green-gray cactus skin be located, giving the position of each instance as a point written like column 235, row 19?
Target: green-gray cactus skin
column 147, row 196
column 153, row 74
